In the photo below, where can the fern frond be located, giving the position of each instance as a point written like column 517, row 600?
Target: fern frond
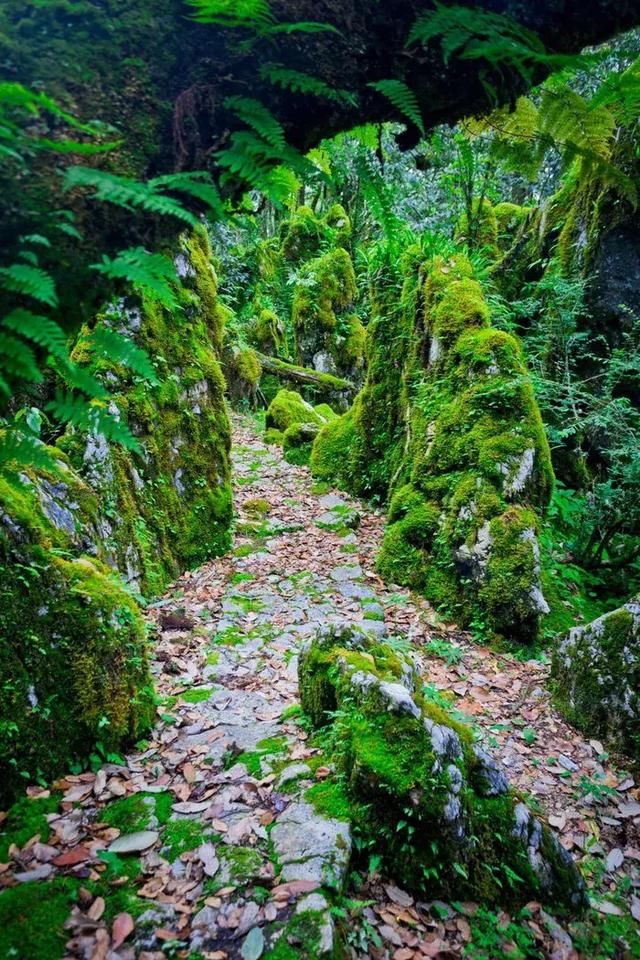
column 250, row 14
column 21, row 448
column 80, row 379
column 569, row 119
column 127, row 193
column 30, row 282
column 197, row 183
column 303, row 26
column 19, row 359
column 256, row 116
column 304, row 83
column 403, row 99
column 73, row 409
column 123, row 350
column 152, row 273
column 40, row 329
column 458, row 28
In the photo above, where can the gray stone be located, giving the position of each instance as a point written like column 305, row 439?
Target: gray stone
column 302, row 835
column 490, row 779
column 293, row 772
column 341, row 574
column 316, row 903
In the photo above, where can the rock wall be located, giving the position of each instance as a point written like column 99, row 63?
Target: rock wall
column 77, row 546
column 596, row 671
column 448, row 428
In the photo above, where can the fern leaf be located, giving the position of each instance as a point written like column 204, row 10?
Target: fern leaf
column 20, row 359
column 151, row 273
column 196, row 184
column 303, row 26
column 127, row 193
column 80, row 379
column 250, row 14
column 74, row 409
column 21, row 448
column 403, row 99
column 304, row 83
column 39, row 329
column 30, row 282
column 256, row 115
column 123, row 350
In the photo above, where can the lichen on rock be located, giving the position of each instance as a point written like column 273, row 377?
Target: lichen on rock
column 439, row 809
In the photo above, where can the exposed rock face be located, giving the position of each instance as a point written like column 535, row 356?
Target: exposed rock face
column 597, row 674
column 418, row 785
column 111, row 524
column 447, row 425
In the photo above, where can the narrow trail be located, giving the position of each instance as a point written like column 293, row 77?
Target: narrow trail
column 220, row 854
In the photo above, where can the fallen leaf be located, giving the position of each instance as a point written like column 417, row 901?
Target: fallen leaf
column 253, row 945
column 96, row 909
column 134, row 842
column 123, row 925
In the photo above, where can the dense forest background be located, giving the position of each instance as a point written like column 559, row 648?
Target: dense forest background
column 415, row 274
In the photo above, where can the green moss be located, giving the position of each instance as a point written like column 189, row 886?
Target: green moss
column 330, row 798
column 269, row 334
column 243, row 863
column 325, row 411
column 259, row 507
column 480, row 230
column 130, row 814
column 463, row 529
column 196, row 695
column 596, row 678
column 32, row 918
column 325, row 290
column 288, row 408
column 25, row 819
column 181, row 836
column 300, row 938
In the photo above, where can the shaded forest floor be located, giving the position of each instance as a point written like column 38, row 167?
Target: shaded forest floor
column 205, row 842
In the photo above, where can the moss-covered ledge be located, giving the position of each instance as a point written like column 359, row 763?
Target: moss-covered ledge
column 417, row 788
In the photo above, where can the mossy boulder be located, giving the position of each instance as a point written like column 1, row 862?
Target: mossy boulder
column 73, row 658
column 242, row 371
column 327, row 337
column 447, row 427
column 110, row 524
column 437, row 807
column 167, row 507
column 288, row 408
column 269, row 334
column 596, row 671
column 297, row 442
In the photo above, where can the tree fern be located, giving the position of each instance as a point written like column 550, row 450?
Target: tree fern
column 250, row 14
column 403, row 99
column 151, row 273
column 305, row 83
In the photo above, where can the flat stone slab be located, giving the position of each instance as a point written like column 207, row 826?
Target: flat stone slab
column 310, row 846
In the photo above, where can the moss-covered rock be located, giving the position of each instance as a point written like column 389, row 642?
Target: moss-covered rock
column 269, row 334
column 596, row 671
column 297, row 442
column 327, row 338
column 437, row 807
column 73, row 658
column 288, row 408
column 448, row 427
column 479, row 459
column 479, row 228
column 169, row 506
column 108, row 524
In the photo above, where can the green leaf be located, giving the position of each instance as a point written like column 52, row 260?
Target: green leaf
column 402, row 98
column 30, row 282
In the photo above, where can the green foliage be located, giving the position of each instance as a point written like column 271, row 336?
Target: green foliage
column 150, row 273
column 304, row 83
column 403, row 99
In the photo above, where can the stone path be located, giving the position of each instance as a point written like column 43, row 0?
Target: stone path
column 204, row 843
